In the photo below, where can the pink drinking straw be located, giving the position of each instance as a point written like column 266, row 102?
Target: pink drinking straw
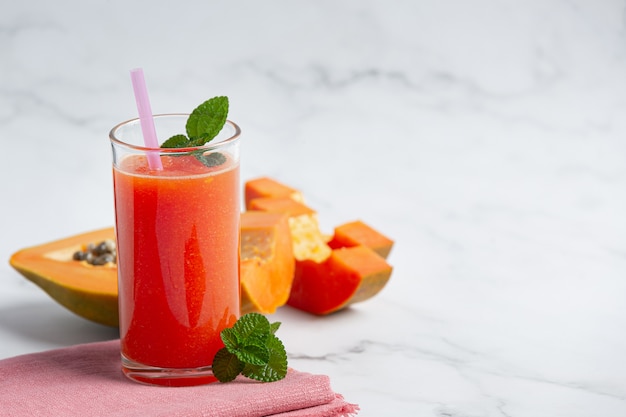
column 145, row 117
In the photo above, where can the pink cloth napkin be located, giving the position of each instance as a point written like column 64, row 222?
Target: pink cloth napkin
column 86, row 380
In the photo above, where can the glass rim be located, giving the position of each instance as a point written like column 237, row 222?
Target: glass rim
column 206, row 146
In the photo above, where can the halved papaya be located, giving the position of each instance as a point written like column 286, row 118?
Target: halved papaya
column 87, row 290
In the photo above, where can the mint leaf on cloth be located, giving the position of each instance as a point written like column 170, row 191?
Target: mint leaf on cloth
column 252, row 342
column 276, row 366
column 226, row 365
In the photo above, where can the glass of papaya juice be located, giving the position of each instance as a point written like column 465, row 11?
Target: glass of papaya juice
column 177, row 230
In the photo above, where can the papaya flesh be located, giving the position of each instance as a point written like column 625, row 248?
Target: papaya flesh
column 267, row 262
column 308, row 241
column 267, row 187
column 88, row 291
column 358, row 233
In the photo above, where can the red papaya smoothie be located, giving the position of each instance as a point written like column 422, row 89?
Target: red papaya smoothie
column 178, row 264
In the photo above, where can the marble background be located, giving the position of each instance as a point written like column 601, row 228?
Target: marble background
column 486, row 137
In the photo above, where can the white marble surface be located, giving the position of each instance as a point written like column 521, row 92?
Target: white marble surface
column 488, row 138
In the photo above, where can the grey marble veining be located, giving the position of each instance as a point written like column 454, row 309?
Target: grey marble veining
column 485, row 137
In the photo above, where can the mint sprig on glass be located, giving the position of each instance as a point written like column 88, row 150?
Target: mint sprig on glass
column 252, row 349
column 203, row 125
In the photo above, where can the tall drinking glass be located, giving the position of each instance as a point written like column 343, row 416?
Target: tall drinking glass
column 177, row 229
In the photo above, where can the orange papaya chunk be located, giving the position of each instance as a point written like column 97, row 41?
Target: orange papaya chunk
column 267, row 187
column 308, row 241
column 281, row 205
column 347, row 276
column 358, row 233
column 267, row 264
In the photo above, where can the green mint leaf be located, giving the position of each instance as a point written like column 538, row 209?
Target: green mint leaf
column 252, row 328
column 275, row 368
column 206, row 121
column 211, row 160
column 251, row 348
column 274, row 327
column 226, row 366
column 230, row 339
column 197, row 141
column 176, row 141
column 253, row 354
column 247, row 349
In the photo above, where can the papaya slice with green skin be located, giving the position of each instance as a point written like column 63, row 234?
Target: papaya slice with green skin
column 267, row 264
column 348, row 276
column 358, row 233
column 87, row 290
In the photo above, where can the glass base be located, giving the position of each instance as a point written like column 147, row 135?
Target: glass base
column 167, row 377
